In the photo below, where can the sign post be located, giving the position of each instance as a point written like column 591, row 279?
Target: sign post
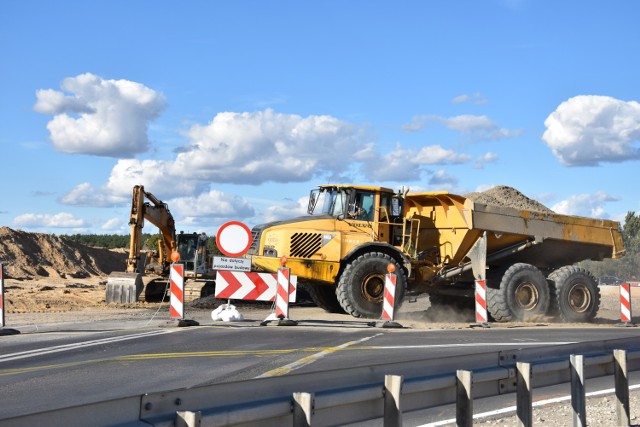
column 1, row 295
column 3, row 330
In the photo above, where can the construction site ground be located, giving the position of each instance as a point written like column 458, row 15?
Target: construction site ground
column 57, row 300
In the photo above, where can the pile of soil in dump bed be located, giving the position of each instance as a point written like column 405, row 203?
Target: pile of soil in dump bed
column 507, row 197
column 28, row 255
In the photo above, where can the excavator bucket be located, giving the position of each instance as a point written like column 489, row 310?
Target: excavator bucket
column 124, row 288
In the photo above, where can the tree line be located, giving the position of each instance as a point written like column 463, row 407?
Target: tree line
column 626, row 268
column 114, row 241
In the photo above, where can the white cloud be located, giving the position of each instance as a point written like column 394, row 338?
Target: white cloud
column 587, row 205
column 476, row 98
column 587, row 130
column 288, row 209
column 212, row 205
column 436, row 155
column 59, row 220
column 116, row 225
column 85, row 195
column 477, row 128
column 441, row 180
column 404, row 164
column 484, row 159
column 100, row 117
column 252, row 148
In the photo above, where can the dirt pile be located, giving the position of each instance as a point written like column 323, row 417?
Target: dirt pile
column 31, row 255
column 508, row 197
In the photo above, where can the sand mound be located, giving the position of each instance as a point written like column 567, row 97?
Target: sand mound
column 507, row 197
column 28, row 255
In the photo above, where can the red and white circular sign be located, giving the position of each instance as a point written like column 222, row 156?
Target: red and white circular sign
column 233, row 238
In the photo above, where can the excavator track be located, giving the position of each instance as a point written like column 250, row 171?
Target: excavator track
column 198, row 289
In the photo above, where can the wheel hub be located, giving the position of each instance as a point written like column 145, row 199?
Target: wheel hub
column 527, row 296
column 579, row 298
column 373, row 287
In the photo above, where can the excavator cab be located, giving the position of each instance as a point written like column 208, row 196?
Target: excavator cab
column 192, row 248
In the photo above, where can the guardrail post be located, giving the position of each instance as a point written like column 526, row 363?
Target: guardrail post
column 622, row 387
column 464, row 398
column 524, row 410
column 392, row 403
column 303, row 406
column 578, row 397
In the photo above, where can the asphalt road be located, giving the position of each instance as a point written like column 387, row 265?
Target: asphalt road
column 82, row 363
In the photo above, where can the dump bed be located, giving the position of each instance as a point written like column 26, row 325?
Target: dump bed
column 449, row 225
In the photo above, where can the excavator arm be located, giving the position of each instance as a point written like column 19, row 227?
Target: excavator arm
column 127, row 286
column 159, row 215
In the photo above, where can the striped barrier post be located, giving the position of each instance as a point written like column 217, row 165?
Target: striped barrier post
column 481, row 302
column 176, row 278
column 282, row 295
column 176, row 300
column 625, row 303
column 389, row 298
column 388, row 302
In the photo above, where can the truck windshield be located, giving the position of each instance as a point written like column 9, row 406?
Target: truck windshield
column 327, row 201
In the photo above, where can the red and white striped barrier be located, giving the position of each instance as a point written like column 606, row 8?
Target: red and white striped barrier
column 251, row 286
column 481, row 301
column 388, row 302
column 282, row 295
column 1, row 296
column 625, row 303
column 176, row 277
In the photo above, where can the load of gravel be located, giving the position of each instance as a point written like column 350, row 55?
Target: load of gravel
column 509, row 197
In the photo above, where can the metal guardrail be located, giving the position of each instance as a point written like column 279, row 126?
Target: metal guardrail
column 344, row 396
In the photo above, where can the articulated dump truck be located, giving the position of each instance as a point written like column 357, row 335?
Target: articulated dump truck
column 440, row 244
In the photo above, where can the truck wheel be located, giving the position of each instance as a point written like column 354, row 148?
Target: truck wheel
column 361, row 286
column 576, row 294
column 324, row 297
column 523, row 295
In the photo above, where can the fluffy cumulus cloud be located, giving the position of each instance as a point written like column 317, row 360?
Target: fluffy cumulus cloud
column 287, row 209
column 252, row 148
column 59, row 220
column 116, row 225
column 212, row 205
column 85, row 195
column 100, row 117
column 588, row 205
column 404, row 164
column 587, row 130
column 476, row 128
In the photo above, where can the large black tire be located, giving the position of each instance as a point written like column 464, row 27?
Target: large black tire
column 361, row 286
column 575, row 292
column 324, row 297
column 523, row 295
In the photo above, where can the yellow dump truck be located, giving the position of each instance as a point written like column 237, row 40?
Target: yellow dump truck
column 440, row 244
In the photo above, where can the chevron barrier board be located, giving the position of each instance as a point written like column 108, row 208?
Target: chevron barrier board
column 251, row 286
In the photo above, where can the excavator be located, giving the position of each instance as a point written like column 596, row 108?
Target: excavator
column 187, row 248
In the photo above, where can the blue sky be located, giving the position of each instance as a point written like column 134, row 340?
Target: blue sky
column 234, row 110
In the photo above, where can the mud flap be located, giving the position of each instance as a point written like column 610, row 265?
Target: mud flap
column 124, row 288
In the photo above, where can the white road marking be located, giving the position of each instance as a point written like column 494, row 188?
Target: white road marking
column 312, row 358
column 67, row 347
